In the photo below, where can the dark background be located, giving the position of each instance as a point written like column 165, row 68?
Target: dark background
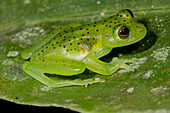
column 6, row 107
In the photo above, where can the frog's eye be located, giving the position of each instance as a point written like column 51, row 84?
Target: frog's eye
column 123, row 32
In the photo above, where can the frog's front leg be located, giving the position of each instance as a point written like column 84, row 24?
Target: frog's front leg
column 60, row 66
column 101, row 67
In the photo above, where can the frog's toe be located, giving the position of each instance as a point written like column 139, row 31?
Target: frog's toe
column 89, row 81
column 128, row 67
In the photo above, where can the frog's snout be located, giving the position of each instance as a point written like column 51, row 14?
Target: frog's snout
column 141, row 28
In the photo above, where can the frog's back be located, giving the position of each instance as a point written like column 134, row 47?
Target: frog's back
column 71, row 42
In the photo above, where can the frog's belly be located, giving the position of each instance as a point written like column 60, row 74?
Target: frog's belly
column 78, row 56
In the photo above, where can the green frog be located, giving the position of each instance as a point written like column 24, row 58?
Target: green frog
column 69, row 50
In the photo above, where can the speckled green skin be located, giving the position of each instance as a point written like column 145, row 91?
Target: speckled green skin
column 70, row 49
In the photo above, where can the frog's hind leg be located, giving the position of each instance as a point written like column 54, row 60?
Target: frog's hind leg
column 36, row 69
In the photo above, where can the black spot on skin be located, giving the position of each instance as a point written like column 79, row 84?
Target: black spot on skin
column 16, row 97
column 78, row 43
column 74, row 37
column 104, row 20
column 38, row 53
column 114, row 22
column 64, row 46
column 53, row 47
column 117, row 14
column 120, row 15
column 88, row 24
column 124, row 20
column 97, row 30
column 110, row 21
column 67, row 50
column 72, row 31
column 93, row 38
column 49, row 42
column 46, row 47
column 69, row 40
column 95, row 22
column 60, row 35
column 111, row 17
column 87, row 39
column 52, row 32
column 115, row 19
column 103, row 23
column 81, row 38
column 42, row 50
column 110, row 26
column 87, row 32
column 56, row 42
column 106, row 25
column 80, row 28
column 126, row 15
column 59, row 45
column 130, row 21
column 118, row 22
column 70, row 43
column 71, row 27
column 136, row 26
column 64, row 36
column 87, row 29
column 82, row 34
column 94, row 25
column 64, row 39
column 43, row 60
column 65, row 31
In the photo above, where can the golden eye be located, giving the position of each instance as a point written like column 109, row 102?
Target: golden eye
column 123, row 32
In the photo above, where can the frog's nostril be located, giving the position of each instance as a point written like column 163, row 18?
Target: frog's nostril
column 140, row 29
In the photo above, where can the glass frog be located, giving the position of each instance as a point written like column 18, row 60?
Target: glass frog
column 69, row 50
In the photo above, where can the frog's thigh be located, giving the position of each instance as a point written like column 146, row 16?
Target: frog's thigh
column 62, row 66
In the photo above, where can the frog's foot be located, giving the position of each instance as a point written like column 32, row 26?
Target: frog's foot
column 126, row 63
column 76, row 82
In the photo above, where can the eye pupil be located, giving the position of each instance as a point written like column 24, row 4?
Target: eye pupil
column 123, row 32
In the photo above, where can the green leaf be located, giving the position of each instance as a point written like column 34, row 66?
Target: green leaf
column 24, row 23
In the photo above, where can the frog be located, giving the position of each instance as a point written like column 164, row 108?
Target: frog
column 71, row 49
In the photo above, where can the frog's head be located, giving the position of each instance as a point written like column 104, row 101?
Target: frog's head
column 125, row 30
